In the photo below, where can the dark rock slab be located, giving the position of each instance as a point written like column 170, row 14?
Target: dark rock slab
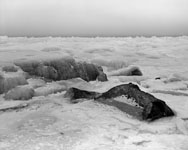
column 150, row 108
column 63, row 69
column 75, row 93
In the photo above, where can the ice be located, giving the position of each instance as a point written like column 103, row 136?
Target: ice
column 49, row 88
column 128, row 71
column 50, row 121
column 36, row 83
column 11, row 80
column 20, row 93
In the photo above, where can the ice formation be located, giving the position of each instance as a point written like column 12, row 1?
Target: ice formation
column 50, row 121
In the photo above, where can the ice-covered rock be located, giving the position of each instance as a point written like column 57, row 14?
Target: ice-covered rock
column 47, row 72
column 63, row 69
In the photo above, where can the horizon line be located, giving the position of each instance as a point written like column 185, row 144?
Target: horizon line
column 85, row 36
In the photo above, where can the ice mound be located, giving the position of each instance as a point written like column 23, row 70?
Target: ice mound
column 9, row 81
column 130, row 71
column 20, row 93
column 63, row 69
column 112, row 64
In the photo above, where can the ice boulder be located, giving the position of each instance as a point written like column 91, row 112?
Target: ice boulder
column 130, row 71
column 9, row 82
column 20, row 93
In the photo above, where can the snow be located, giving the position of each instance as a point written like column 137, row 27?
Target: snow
column 51, row 122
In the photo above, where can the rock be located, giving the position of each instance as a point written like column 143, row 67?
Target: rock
column 156, row 109
column 153, row 108
column 63, row 69
column 75, row 93
column 20, row 93
column 150, row 108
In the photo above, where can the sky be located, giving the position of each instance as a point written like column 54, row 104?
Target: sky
column 93, row 17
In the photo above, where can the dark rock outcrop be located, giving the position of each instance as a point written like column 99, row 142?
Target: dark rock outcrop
column 63, row 69
column 150, row 108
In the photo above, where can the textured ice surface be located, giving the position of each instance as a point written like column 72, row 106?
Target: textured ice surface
column 51, row 122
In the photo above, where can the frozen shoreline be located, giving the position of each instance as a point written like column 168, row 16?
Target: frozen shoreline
column 52, row 122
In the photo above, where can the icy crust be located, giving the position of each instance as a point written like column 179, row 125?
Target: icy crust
column 53, row 123
column 168, row 85
column 50, row 121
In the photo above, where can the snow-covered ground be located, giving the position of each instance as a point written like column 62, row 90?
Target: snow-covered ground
column 50, row 121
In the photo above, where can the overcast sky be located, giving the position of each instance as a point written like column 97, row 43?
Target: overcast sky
column 93, row 17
